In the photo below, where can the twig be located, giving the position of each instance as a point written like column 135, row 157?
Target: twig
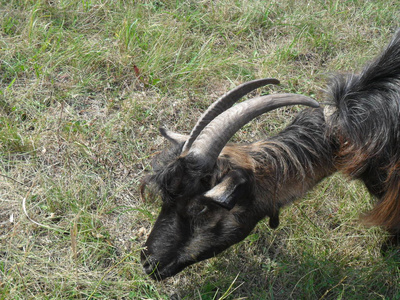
column 230, row 290
column 22, row 277
column 58, row 127
column 8, row 177
column 33, row 221
column 329, row 290
column 304, row 276
column 74, row 233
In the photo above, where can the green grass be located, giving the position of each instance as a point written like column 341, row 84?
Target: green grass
column 85, row 84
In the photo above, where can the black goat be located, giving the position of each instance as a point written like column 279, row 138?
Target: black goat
column 214, row 193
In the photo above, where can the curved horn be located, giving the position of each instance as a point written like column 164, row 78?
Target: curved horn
column 215, row 135
column 173, row 137
column 222, row 104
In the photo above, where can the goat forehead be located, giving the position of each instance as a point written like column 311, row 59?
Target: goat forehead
column 173, row 204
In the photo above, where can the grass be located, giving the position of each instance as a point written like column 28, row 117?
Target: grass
column 84, row 86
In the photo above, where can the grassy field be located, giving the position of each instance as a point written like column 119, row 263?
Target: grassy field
column 84, row 86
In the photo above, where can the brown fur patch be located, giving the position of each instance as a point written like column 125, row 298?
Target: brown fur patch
column 387, row 212
column 238, row 156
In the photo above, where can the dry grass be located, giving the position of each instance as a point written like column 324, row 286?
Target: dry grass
column 84, row 86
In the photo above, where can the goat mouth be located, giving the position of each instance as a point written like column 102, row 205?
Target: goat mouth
column 158, row 271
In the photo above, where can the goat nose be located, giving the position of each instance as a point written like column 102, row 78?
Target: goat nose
column 150, row 267
column 149, row 263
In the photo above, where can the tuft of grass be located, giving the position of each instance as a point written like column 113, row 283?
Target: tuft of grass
column 84, row 85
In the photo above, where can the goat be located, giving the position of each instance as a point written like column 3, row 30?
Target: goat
column 214, row 193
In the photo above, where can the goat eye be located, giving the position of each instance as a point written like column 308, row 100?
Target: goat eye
column 202, row 209
column 198, row 210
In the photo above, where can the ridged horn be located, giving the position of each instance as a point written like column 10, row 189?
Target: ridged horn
column 173, row 137
column 222, row 104
column 213, row 138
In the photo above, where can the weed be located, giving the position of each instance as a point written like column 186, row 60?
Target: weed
column 84, row 85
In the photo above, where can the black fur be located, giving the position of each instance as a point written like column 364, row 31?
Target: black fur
column 367, row 110
column 366, row 125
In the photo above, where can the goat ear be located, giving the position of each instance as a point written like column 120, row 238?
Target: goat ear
column 225, row 192
column 173, row 137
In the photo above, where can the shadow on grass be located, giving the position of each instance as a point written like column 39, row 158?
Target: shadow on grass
column 265, row 270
